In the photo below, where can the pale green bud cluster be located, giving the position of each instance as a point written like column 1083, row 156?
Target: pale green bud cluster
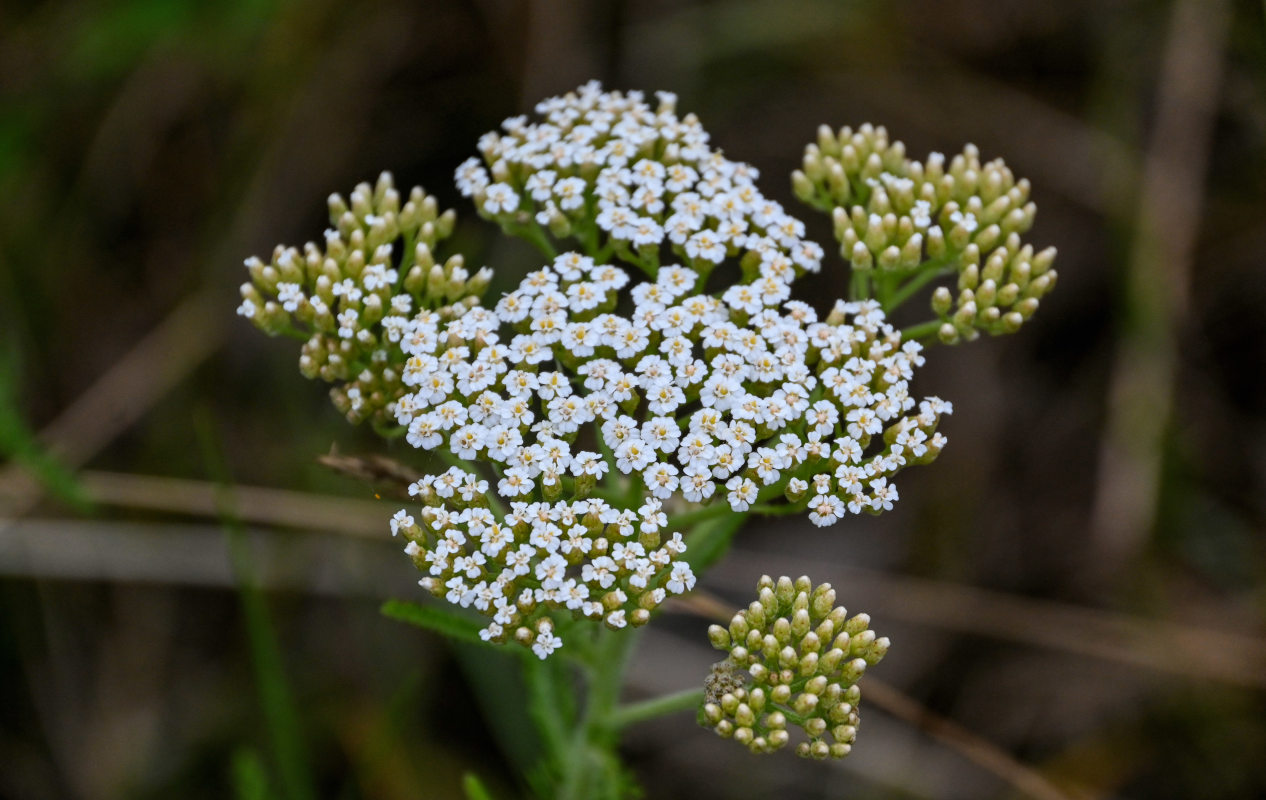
column 795, row 660
column 836, row 169
column 996, row 296
column 898, row 219
column 350, row 299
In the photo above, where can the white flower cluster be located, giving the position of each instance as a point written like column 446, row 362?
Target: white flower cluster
column 585, row 556
column 596, row 401
column 688, row 393
column 605, row 167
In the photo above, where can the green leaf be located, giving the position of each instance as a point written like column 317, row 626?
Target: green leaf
column 447, row 623
column 19, row 443
column 711, row 539
column 501, row 689
column 545, row 682
column 474, row 787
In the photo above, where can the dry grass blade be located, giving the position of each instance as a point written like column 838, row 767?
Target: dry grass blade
column 1140, row 397
column 1182, row 649
column 121, row 396
column 262, row 506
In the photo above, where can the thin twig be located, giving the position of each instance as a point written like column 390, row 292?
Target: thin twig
column 194, row 554
column 121, row 396
column 374, row 470
column 701, row 604
column 975, row 749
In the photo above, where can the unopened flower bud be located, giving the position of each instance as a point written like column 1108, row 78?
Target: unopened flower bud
column 861, row 642
column 802, row 186
column 936, row 243
column 942, row 301
column 712, row 712
column 800, row 622
column 860, row 257
column 854, row 670
column 782, row 630
column 808, row 664
column 785, row 590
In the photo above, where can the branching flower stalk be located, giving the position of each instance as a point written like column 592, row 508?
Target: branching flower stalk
column 610, row 422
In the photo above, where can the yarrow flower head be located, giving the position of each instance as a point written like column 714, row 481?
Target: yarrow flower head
column 652, row 381
column 795, row 659
column 614, row 384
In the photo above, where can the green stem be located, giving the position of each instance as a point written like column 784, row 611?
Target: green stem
column 591, row 768
column 923, row 329
column 626, row 255
column 635, row 489
column 292, row 332
column 587, row 233
column 406, row 256
column 859, row 285
column 631, row 713
column 885, row 285
column 927, row 273
column 612, row 479
column 544, row 706
column 389, row 431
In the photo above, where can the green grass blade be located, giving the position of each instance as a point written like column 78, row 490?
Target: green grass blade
column 19, row 444
column 474, row 788
column 250, row 779
column 281, row 717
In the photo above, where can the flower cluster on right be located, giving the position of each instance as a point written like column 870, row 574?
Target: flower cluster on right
column 794, row 659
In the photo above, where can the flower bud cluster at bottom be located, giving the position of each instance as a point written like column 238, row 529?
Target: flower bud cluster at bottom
column 794, row 660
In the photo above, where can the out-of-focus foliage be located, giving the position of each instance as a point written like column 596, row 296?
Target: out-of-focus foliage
column 146, row 145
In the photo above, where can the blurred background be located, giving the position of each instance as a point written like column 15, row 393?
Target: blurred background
column 1074, row 591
